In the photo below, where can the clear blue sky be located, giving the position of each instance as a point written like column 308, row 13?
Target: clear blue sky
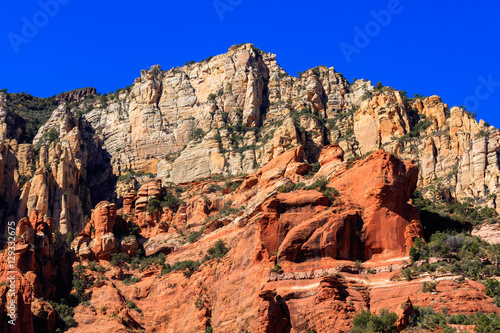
column 425, row 47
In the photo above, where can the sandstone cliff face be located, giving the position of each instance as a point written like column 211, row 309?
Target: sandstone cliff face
column 311, row 238
column 55, row 174
column 299, row 230
column 173, row 136
column 455, row 150
column 314, row 236
column 247, row 110
column 229, row 115
column 156, row 117
column 383, row 198
column 42, row 270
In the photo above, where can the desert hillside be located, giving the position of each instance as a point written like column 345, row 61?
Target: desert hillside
column 229, row 196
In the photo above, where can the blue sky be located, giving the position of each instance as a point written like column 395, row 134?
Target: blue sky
column 426, row 47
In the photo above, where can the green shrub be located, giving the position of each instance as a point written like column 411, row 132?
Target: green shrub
column 187, row 267
column 132, row 228
column 131, row 174
column 198, row 303
column 119, row 258
column 231, row 186
column 429, row 287
column 493, row 290
column 467, row 256
column 426, row 318
column 315, row 167
column 213, row 188
column 146, row 262
column 299, row 186
column 81, row 282
column 320, row 183
column 133, row 306
column 101, row 269
column 92, row 266
column 217, row 251
column 330, row 192
column 227, row 209
column 131, row 280
column 171, row 201
column 196, row 134
column 217, row 178
column 276, row 269
column 23, row 179
column 69, row 238
column 65, row 313
column 153, row 206
column 368, row 322
column 286, row 188
column 30, row 113
column 194, row 236
column 52, row 135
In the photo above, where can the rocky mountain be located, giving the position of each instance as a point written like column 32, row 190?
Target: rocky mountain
column 244, row 199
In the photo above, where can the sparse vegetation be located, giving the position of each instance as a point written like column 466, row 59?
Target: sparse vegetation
column 131, row 174
column 194, row 236
column 231, row 186
column 212, row 98
column 314, row 169
column 213, row 188
column 188, row 267
column 461, row 212
column 276, row 269
column 65, row 313
column 133, row 306
column 195, row 134
column 429, row 287
column 463, row 255
column 81, row 283
column 289, row 187
column 320, row 183
column 153, row 206
column 119, row 259
column 227, row 209
column 366, row 322
column 217, row 251
column 30, row 113
column 131, row 280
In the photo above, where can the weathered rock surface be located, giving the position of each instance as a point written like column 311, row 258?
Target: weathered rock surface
column 76, row 95
column 229, row 115
column 382, row 185
column 153, row 159
column 41, row 269
column 97, row 240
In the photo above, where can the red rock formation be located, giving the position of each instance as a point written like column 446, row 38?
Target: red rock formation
column 382, row 185
column 272, row 317
column 97, row 239
column 404, row 313
column 38, row 267
column 311, row 236
column 331, row 154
